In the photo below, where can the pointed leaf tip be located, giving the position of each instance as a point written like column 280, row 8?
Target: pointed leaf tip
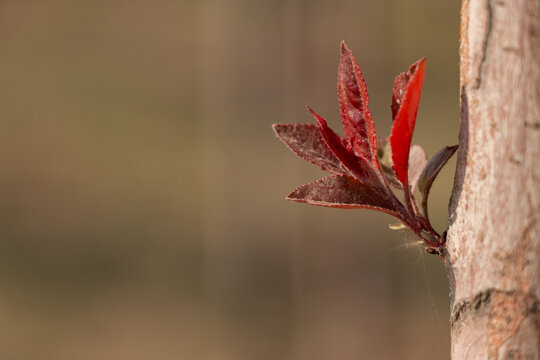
column 306, row 141
column 400, row 86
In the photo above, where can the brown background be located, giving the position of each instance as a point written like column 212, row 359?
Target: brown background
column 141, row 192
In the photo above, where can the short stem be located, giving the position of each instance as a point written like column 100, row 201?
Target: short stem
column 415, row 206
column 411, row 220
column 408, row 204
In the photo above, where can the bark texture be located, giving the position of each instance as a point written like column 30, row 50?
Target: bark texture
column 493, row 247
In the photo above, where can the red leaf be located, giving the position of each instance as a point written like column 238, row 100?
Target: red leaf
column 353, row 104
column 306, row 141
column 344, row 192
column 358, row 167
column 417, row 162
column 431, row 170
column 403, row 127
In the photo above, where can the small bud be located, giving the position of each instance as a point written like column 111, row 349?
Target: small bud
column 397, row 226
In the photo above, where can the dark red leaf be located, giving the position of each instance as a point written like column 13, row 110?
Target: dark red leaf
column 403, row 127
column 431, row 170
column 345, row 192
column 353, row 104
column 358, row 167
column 306, row 141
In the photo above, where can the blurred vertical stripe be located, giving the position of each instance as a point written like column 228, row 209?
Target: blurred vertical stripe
column 142, row 189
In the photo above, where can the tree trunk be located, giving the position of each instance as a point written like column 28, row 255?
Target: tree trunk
column 493, row 246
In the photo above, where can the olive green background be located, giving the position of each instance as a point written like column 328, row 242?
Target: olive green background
column 142, row 189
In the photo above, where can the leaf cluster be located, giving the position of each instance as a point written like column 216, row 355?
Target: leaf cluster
column 366, row 170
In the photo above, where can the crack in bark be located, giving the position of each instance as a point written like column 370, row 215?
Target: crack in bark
column 533, row 29
column 533, row 125
column 484, row 299
column 489, row 27
column 465, row 306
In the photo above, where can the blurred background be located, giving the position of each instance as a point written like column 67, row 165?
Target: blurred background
column 142, row 188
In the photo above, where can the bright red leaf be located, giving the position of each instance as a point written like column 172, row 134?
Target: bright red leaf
column 403, row 127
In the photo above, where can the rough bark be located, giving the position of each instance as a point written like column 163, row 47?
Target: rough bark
column 493, row 246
